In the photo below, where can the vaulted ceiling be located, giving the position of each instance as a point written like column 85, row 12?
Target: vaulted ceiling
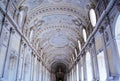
column 57, row 26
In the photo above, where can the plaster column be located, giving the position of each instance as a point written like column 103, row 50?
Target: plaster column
column 84, row 67
column 32, row 67
column 95, row 61
column 35, row 65
column 4, row 44
column 23, row 63
column 40, row 73
column 79, row 71
column 5, row 73
column 21, row 58
column 92, row 61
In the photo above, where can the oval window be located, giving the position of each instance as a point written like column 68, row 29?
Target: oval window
column 92, row 17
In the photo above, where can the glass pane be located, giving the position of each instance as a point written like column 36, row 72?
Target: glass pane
column 89, row 67
column 101, row 66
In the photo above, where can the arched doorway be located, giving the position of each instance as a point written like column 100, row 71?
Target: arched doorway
column 59, row 71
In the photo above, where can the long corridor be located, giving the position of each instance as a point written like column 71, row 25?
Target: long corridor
column 59, row 40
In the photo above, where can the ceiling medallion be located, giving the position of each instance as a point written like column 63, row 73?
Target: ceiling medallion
column 58, row 40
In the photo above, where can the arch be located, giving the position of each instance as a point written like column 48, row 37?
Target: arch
column 92, row 16
column 76, row 53
column 31, row 34
column 102, row 66
column 20, row 18
column 22, row 15
column 89, row 67
column 117, row 33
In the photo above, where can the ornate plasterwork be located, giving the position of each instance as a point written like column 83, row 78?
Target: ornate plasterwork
column 57, row 28
column 58, row 40
column 56, row 9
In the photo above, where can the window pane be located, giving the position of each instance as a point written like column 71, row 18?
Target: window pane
column 101, row 66
column 89, row 67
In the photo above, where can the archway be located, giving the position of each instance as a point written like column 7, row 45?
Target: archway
column 117, row 33
column 59, row 70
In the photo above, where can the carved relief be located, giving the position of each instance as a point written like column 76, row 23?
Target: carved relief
column 51, row 9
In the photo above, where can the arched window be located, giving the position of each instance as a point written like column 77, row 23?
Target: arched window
column 79, row 45
column 92, row 17
column 22, row 15
column 31, row 35
column 84, row 35
column 20, row 18
column 76, row 53
column 117, row 33
column 89, row 67
column 101, row 66
column 77, row 72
